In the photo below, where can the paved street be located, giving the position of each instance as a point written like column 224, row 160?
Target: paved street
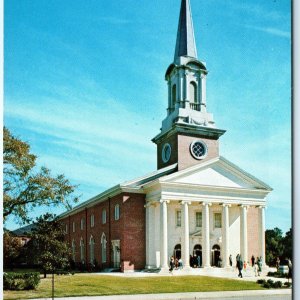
column 284, row 294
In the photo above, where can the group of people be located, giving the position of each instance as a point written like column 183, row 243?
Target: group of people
column 175, row 263
column 240, row 264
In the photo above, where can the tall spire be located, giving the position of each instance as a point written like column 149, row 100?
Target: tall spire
column 185, row 44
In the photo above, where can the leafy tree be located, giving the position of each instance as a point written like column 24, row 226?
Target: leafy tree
column 12, row 247
column 25, row 186
column 47, row 247
column 274, row 245
column 288, row 245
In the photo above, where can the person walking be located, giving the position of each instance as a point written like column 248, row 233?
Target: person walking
column 259, row 263
column 230, row 260
column 172, row 263
column 255, row 269
column 253, row 260
column 240, row 266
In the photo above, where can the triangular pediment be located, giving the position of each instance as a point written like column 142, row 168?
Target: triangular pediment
column 216, row 172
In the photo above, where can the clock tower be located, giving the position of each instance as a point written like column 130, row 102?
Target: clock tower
column 188, row 134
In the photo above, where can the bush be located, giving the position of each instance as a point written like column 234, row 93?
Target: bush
column 288, row 284
column 20, row 281
column 277, row 285
column 266, row 285
column 270, row 282
column 261, row 281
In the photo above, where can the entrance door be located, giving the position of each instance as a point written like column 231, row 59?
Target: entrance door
column 116, row 253
column 177, row 251
column 215, row 255
column 198, row 253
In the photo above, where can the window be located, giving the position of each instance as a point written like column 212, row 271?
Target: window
column 73, row 250
column 81, row 249
column 103, row 248
column 178, row 218
column 218, row 220
column 193, row 92
column 92, row 220
column 82, row 224
column 73, row 226
column 92, row 249
column 117, row 212
column 174, row 95
column 103, row 216
column 198, row 219
column 66, row 230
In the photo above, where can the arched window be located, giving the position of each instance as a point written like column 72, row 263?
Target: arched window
column 216, row 252
column 92, row 249
column 82, row 256
column 73, row 250
column 103, row 216
column 193, row 92
column 103, row 248
column 117, row 212
column 173, row 95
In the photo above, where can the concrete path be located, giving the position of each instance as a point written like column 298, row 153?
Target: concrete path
column 284, row 294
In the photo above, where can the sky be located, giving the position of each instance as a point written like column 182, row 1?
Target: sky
column 84, row 86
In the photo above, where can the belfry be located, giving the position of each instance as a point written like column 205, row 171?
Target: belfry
column 196, row 204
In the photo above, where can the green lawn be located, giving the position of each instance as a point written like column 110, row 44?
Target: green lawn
column 96, row 285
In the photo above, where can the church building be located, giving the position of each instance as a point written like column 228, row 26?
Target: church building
column 195, row 203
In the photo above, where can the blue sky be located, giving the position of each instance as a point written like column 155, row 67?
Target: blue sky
column 84, row 85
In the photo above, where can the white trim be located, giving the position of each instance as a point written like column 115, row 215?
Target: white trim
column 205, row 149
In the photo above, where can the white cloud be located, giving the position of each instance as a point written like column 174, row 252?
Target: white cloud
column 271, row 30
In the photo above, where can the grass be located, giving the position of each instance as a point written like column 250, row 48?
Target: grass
column 100, row 285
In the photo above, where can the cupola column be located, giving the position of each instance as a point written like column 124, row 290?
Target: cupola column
column 203, row 93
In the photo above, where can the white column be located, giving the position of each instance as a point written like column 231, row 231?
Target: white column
column 261, row 228
column 244, row 233
column 163, row 235
column 169, row 96
column 225, row 235
column 205, row 236
column 186, row 235
column 203, row 93
column 150, row 242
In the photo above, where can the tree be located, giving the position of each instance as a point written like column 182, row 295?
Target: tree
column 288, row 245
column 25, row 186
column 12, row 247
column 47, row 247
column 274, row 245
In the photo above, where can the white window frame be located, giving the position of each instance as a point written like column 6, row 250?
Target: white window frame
column 73, row 250
column 82, row 224
column 92, row 249
column 104, row 216
column 103, row 248
column 178, row 218
column 117, row 212
column 197, row 213
column 73, row 225
column 215, row 224
column 82, row 250
column 92, row 220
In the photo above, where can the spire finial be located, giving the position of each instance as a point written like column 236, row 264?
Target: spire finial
column 185, row 44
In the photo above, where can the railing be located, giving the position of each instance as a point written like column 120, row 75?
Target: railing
column 195, row 106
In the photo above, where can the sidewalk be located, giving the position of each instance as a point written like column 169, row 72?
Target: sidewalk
column 184, row 296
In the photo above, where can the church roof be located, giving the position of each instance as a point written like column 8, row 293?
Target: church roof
column 185, row 43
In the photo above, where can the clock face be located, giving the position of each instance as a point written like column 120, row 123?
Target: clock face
column 198, row 149
column 166, row 153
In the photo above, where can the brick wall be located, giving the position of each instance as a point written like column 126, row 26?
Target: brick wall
column 129, row 229
column 180, row 145
column 253, row 238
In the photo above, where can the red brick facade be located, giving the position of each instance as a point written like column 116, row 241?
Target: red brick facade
column 253, row 230
column 129, row 230
column 180, row 145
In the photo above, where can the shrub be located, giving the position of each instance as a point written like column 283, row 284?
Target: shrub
column 261, row 281
column 288, row 284
column 267, row 285
column 277, row 284
column 20, row 281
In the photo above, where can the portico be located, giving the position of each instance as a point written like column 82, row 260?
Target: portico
column 210, row 213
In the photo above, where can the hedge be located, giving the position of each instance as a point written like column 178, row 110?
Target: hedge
column 20, row 281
